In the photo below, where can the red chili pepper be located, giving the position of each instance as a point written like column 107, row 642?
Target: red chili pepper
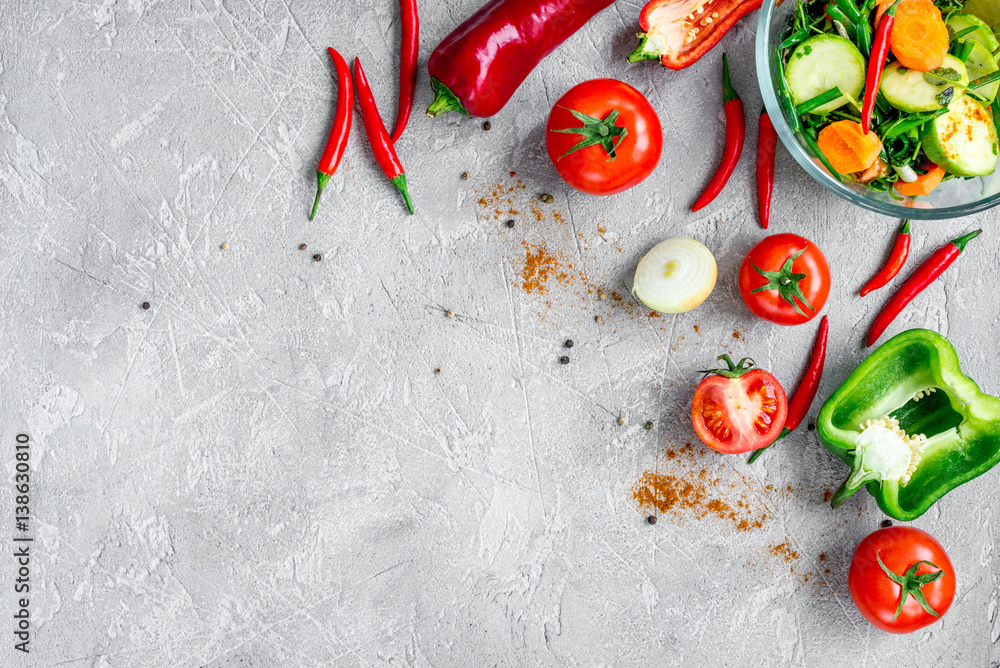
column 923, row 276
column 679, row 33
column 341, row 129
column 897, row 258
column 767, row 143
column 876, row 63
column 409, row 48
column 800, row 402
column 477, row 68
column 736, row 133
column 381, row 143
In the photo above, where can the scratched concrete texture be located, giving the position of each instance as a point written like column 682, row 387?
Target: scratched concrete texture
column 264, row 469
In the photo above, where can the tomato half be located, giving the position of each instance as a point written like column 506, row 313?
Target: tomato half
column 877, row 595
column 606, row 162
column 781, row 292
column 738, row 409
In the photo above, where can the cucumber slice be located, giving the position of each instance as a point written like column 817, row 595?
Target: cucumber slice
column 822, row 62
column 987, row 10
column 979, row 64
column 964, row 140
column 983, row 33
column 909, row 91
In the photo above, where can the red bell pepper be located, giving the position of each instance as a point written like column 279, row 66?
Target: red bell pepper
column 679, row 32
column 477, row 68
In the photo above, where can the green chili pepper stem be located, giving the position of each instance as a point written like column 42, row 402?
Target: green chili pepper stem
column 640, row 52
column 444, row 100
column 400, row 183
column 911, row 584
column 905, row 229
column 961, row 241
column 728, row 92
column 322, row 179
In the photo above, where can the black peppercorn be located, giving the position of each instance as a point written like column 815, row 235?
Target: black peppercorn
column 145, row 306
column 487, row 126
column 564, row 360
column 317, row 257
column 510, row 223
column 651, row 519
column 811, row 427
column 569, row 343
column 886, row 524
column 302, row 246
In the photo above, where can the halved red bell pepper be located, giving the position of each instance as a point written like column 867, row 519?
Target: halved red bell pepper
column 679, row 32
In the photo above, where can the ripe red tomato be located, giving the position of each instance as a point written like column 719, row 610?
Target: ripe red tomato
column 878, row 596
column 738, row 409
column 791, row 275
column 605, row 163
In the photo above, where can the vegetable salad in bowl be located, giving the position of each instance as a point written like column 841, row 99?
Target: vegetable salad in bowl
column 893, row 100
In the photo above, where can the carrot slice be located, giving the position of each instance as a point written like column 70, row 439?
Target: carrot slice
column 919, row 37
column 847, row 148
column 924, row 184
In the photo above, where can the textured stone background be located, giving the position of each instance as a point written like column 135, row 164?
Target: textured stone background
column 263, row 470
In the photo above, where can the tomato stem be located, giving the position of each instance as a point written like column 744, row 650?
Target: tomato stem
column 596, row 132
column 786, row 282
column 732, row 370
column 911, row 584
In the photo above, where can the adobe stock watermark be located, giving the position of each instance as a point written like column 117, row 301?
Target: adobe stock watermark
column 22, row 542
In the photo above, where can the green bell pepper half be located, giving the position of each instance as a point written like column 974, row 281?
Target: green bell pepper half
column 914, row 379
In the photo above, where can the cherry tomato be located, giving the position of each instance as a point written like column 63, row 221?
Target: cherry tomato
column 738, row 409
column 618, row 134
column 790, row 283
column 876, row 593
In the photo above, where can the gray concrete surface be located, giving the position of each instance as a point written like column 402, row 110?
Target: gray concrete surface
column 263, row 469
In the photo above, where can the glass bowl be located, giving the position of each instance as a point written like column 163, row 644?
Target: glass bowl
column 952, row 199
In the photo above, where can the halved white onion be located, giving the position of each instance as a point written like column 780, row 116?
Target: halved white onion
column 675, row 276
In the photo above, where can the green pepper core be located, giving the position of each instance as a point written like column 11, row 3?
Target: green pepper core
column 911, row 425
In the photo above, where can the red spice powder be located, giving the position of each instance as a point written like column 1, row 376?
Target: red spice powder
column 784, row 550
column 693, row 496
column 540, row 265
